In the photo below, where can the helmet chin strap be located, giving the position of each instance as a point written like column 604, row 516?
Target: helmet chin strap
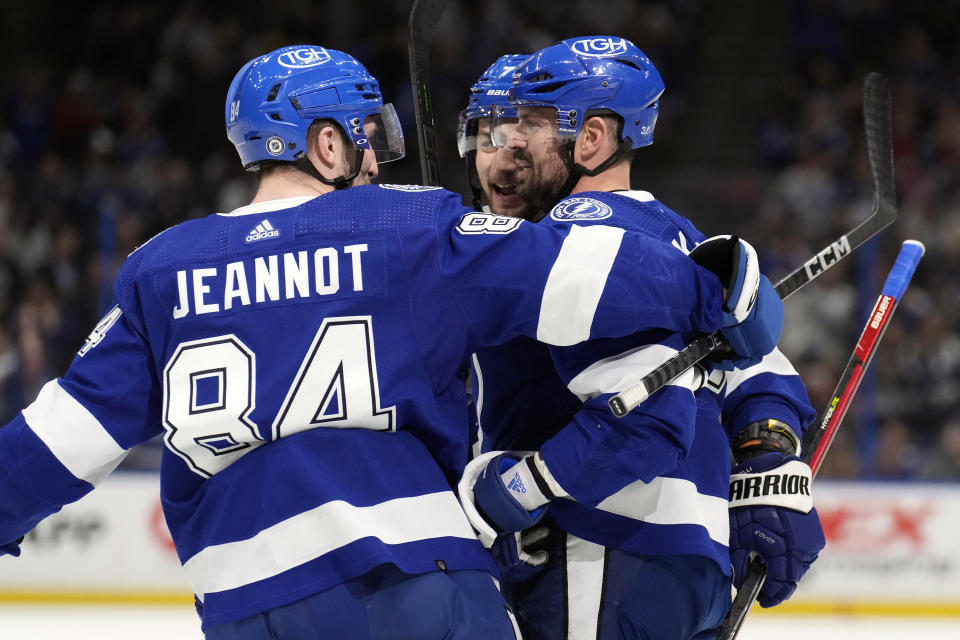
column 340, row 182
column 577, row 170
column 473, row 181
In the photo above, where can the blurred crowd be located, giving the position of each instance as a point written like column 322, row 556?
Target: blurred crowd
column 906, row 422
column 111, row 129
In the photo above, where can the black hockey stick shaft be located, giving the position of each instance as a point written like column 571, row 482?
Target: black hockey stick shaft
column 877, row 116
column 817, row 441
column 424, row 16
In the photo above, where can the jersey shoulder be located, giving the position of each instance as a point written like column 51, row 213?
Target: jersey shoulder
column 636, row 211
column 390, row 205
column 355, row 215
column 194, row 240
column 355, row 210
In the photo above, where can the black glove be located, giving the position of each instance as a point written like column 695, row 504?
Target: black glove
column 752, row 310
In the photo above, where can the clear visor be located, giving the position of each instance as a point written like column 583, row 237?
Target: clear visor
column 382, row 134
column 519, row 127
column 473, row 134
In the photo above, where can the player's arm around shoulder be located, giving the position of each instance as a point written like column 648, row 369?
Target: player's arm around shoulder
column 595, row 455
column 564, row 283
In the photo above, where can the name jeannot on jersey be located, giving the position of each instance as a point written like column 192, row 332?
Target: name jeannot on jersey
column 295, row 274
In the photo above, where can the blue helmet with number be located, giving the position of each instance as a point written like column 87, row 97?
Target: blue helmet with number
column 274, row 99
column 491, row 88
column 592, row 73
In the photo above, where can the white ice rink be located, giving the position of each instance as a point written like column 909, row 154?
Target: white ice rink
column 40, row 622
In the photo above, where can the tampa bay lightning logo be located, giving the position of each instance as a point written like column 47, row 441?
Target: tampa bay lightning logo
column 303, row 57
column 408, row 187
column 580, row 209
column 599, row 47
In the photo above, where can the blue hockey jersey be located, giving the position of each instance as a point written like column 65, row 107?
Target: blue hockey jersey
column 303, row 359
column 646, row 483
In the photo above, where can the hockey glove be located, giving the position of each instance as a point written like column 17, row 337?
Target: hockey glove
column 518, row 555
column 11, row 548
column 496, row 501
column 772, row 514
column 752, row 310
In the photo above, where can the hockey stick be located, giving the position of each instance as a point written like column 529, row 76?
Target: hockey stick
column 877, row 119
column 424, row 17
column 817, row 441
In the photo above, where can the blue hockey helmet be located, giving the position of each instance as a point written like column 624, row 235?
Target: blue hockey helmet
column 491, row 88
column 589, row 74
column 275, row 97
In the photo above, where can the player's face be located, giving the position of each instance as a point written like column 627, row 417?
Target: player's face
column 542, row 166
column 497, row 172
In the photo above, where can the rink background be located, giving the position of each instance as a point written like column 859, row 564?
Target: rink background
column 105, row 567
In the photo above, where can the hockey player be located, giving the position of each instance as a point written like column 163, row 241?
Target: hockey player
column 491, row 172
column 301, row 357
column 649, row 560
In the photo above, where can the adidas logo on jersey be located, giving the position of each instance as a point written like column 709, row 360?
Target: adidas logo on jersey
column 263, row 231
column 516, row 484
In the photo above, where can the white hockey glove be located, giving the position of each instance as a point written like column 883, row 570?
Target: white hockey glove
column 502, row 492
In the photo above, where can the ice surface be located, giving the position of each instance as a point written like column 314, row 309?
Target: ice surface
column 48, row 622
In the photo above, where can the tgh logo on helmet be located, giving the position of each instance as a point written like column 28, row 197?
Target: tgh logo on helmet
column 599, row 47
column 303, row 58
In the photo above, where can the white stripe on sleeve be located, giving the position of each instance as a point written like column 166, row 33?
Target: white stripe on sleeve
column 773, row 362
column 316, row 532
column 576, row 282
column 622, row 371
column 72, row 434
column 671, row 501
